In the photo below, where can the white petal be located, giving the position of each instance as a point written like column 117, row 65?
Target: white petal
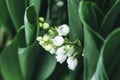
column 61, row 58
column 70, row 51
column 63, row 30
column 53, row 50
column 58, row 41
column 60, row 50
column 72, row 63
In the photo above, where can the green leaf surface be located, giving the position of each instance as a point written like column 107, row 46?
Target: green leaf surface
column 37, row 4
column 76, row 28
column 90, row 14
column 27, row 58
column 16, row 9
column 92, row 44
column 109, row 20
column 30, row 22
column 108, row 66
column 5, row 20
column 9, row 62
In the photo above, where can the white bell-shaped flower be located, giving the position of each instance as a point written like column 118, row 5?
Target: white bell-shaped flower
column 58, row 41
column 53, row 50
column 46, row 37
column 70, row 50
column 63, row 30
column 72, row 63
column 60, row 50
column 61, row 58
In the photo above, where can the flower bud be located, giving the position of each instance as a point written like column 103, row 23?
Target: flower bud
column 61, row 58
column 48, row 47
column 63, row 30
column 53, row 50
column 60, row 3
column 41, row 43
column 58, row 41
column 40, row 24
column 46, row 37
column 41, row 19
column 70, row 50
column 39, row 38
column 72, row 63
column 45, row 25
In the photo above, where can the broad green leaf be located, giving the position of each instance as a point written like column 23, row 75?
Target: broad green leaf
column 109, row 20
column 108, row 66
column 30, row 22
column 76, row 27
column 16, row 9
column 27, row 58
column 37, row 4
column 92, row 44
column 9, row 62
column 5, row 20
column 90, row 14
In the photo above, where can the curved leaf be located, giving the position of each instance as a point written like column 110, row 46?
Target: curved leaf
column 76, row 28
column 30, row 22
column 9, row 62
column 16, row 9
column 108, row 65
column 109, row 20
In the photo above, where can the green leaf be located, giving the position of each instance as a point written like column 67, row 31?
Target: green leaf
column 37, row 4
column 30, row 22
column 92, row 44
column 108, row 65
column 45, row 65
column 109, row 20
column 9, row 62
column 90, row 14
column 5, row 20
column 16, row 9
column 27, row 58
column 76, row 27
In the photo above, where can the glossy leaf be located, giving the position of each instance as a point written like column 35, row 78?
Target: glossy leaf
column 37, row 4
column 16, row 9
column 9, row 62
column 90, row 14
column 110, row 18
column 30, row 22
column 108, row 65
column 76, row 27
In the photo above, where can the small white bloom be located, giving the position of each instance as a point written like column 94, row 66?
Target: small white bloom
column 45, row 25
column 70, row 50
column 39, row 38
column 58, row 41
column 61, row 58
column 53, row 50
column 60, row 3
column 46, row 37
column 63, row 30
column 60, row 50
column 72, row 63
column 48, row 47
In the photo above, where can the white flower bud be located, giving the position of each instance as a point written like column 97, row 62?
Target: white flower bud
column 45, row 25
column 70, row 50
column 60, row 50
column 60, row 3
column 58, row 41
column 48, row 47
column 46, row 37
column 39, row 38
column 61, row 58
column 41, row 19
column 40, row 24
column 72, row 63
column 41, row 42
column 53, row 50
column 63, row 30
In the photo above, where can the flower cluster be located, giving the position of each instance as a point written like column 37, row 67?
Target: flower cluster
column 55, row 41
